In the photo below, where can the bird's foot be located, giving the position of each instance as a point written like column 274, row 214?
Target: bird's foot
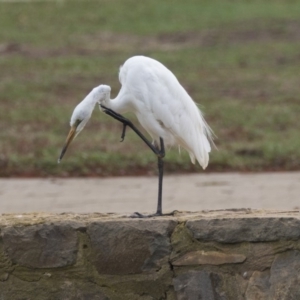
column 142, row 216
column 123, row 132
column 118, row 117
column 157, row 214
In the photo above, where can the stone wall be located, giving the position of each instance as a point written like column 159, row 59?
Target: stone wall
column 239, row 254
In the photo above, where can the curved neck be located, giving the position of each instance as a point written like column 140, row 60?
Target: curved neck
column 92, row 99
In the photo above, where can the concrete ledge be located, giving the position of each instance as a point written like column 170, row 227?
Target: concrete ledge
column 228, row 254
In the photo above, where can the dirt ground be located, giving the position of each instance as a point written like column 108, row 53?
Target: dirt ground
column 195, row 192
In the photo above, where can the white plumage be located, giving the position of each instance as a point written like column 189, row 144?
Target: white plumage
column 162, row 106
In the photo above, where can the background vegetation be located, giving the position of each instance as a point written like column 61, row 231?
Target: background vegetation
column 239, row 59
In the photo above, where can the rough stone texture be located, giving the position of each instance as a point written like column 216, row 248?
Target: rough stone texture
column 259, row 286
column 41, row 246
column 208, row 258
column 16, row 289
column 248, row 229
column 219, row 255
column 194, row 285
column 130, row 247
column 285, row 276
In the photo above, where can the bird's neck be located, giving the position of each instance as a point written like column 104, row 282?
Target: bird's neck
column 92, row 98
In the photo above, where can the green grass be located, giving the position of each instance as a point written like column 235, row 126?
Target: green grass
column 238, row 59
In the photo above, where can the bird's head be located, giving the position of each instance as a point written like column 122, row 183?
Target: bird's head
column 83, row 112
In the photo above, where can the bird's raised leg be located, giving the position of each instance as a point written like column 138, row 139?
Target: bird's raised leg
column 128, row 123
column 159, row 152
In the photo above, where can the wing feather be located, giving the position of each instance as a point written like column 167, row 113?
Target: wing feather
column 164, row 108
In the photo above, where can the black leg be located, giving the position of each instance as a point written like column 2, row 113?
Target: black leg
column 160, row 164
column 123, row 133
column 128, row 123
column 159, row 152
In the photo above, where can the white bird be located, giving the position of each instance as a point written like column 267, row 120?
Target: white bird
column 161, row 105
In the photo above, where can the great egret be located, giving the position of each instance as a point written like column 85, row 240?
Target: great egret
column 161, row 105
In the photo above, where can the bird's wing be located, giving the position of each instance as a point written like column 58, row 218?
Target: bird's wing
column 164, row 108
column 174, row 109
column 184, row 120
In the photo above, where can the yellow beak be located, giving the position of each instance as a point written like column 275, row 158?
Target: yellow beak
column 69, row 139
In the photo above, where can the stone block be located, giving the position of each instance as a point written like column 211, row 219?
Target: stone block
column 245, row 229
column 130, row 247
column 194, row 285
column 41, row 246
column 208, row 258
column 258, row 286
column 285, row 276
column 50, row 289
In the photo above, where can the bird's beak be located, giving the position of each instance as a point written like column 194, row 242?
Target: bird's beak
column 69, row 139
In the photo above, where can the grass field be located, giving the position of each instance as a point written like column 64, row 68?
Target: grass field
column 240, row 60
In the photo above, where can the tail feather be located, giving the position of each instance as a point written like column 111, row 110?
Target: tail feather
column 192, row 157
column 202, row 151
column 197, row 143
column 201, row 145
